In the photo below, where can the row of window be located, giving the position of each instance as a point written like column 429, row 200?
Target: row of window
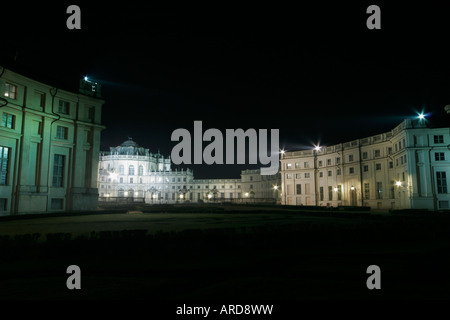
column 441, row 182
column 11, row 92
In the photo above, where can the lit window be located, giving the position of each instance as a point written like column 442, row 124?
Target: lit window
column 10, row 91
column 8, row 120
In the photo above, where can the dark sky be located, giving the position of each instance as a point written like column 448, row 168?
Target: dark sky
column 316, row 73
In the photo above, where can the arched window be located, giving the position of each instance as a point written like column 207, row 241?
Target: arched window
column 131, row 170
column 141, row 170
column 121, row 169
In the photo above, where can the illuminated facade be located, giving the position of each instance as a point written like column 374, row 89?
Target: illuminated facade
column 404, row 168
column 130, row 173
column 49, row 147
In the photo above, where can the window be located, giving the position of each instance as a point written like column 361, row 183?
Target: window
column 299, row 189
column 288, row 165
column 366, row 191
column 321, row 193
column 57, row 204
column 439, row 139
column 61, row 132
column 121, row 180
column 222, row 195
column 364, row 155
column 338, row 171
column 320, row 163
column 63, row 107
column 389, row 150
column 298, row 176
column 40, row 98
column 339, row 192
column 365, row 168
column 58, row 170
column 441, row 178
column 351, row 170
column 251, row 178
column 306, row 164
column 350, row 157
column 231, row 195
column 8, row 120
column 289, row 176
column 131, row 180
column 442, row 204
column 3, row 203
column 121, row 193
column 91, row 113
column 330, row 173
column 379, row 190
column 391, row 164
column 377, row 166
column 131, row 170
column 338, row 160
column 10, row 91
column 439, row 156
column 320, row 174
column 329, row 162
column 4, row 157
column 141, row 170
column 307, row 175
column 251, row 186
column 330, row 193
column 121, row 169
column 377, row 153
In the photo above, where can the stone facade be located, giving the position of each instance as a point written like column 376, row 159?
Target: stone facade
column 407, row 167
column 49, row 147
column 130, row 173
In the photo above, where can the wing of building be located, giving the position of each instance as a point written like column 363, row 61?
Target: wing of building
column 130, row 173
column 404, row 168
column 49, row 146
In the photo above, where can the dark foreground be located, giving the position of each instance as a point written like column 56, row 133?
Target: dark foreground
column 299, row 257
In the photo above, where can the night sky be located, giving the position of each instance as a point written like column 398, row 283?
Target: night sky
column 316, row 73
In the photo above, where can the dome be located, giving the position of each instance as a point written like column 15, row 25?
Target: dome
column 129, row 147
column 129, row 143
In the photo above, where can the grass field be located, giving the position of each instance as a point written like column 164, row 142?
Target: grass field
column 240, row 253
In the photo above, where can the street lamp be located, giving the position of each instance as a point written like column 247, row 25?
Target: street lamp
column 398, row 183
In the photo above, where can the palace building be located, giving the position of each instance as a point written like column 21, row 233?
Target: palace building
column 404, row 168
column 49, row 146
column 130, row 173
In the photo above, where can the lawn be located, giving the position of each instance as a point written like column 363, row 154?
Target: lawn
column 251, row 255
